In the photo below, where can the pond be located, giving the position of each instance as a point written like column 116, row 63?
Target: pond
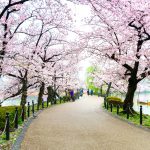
column 142, row 97
column 16, row 101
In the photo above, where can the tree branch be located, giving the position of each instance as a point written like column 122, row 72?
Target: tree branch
column 10, row 5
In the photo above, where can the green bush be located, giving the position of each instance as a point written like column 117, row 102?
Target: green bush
column 11, row 111
column 66, row 98
column 115, row 101
column 76, row 95
column 110, row 98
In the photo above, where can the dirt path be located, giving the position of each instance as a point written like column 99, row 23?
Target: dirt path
column 83, row 125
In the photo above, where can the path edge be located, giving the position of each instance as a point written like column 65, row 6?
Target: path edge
column 125, row 120
column 17, row 144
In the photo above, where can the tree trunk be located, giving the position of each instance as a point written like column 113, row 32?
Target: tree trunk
column 130, row 94
column 24, row 93
column 55, row 95
column 66, row 92
column 108, row 89
column 50, row 94
column 101, row 90
column 40, row 95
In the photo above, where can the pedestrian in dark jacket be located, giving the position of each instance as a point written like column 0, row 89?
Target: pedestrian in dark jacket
column 72, row 95
column 91, row 92
column 88, row 92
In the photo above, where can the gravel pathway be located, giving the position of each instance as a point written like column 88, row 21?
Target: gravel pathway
column 83, row 125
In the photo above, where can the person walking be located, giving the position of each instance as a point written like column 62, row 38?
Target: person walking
column 91, row 92
column 72, row 95
column 81, row 92
column 88, row 92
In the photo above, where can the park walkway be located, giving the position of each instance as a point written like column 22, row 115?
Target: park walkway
column 83, row 125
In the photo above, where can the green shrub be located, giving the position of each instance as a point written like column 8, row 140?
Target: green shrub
column 115, row 101
column 110, row 98
column 11, row 111
column 66, row 98
column 76, row 95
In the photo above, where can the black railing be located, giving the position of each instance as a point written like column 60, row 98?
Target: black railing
column 118, row 109
column 108, row 105
column 141, row 116
column 7, row 127
column 28, row 109
column 21, row 117
column 17, row 117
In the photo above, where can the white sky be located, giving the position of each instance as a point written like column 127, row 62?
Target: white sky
column 80, row 12
column 84, row 64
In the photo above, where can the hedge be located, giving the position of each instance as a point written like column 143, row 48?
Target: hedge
column 68, row 98
column 115, row 101
column 11, row 111
column 65, row 98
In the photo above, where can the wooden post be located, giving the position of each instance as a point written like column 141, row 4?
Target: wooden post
column 141, row 117
column 16, row 118
column 33, row 108
column 23, row 114
column 7, row 127
column 28, row 109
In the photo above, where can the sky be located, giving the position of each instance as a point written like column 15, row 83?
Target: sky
column 80, row 12
column 84, row 64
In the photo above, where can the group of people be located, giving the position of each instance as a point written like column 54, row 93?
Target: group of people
column 79, row 93
column 90, row 92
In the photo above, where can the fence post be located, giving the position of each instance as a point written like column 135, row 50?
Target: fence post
column 141, row 118
column 111, row 106
column 37, row 107
column 42, row 104
column 107, row 105
column 28, row 109
column 104, row 103
column 117, row 109
column 23, row 114
column 16, row 118
column 128, row 111
column 7, row 127
column 33, row 108
column 47, row 103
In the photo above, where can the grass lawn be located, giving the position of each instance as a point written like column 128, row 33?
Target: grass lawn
column 135, row 119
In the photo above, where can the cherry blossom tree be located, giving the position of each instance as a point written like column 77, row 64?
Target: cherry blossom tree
column 12, row 17
column 38, row 49
column 120, row 32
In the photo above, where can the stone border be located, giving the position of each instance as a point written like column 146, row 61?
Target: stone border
column 126, row 121
column 17, row 144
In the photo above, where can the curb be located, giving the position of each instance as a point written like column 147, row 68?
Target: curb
column 126, row 121
column 17, row 143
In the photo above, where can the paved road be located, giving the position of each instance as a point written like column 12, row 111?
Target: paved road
column 83, row 125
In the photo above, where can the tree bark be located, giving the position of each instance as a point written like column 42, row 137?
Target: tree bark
column 130, row 94
column 108, row 89
column 50, row 94
column 24, row 93
column 66, row 92
column 40, row 95
column 101, row 89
